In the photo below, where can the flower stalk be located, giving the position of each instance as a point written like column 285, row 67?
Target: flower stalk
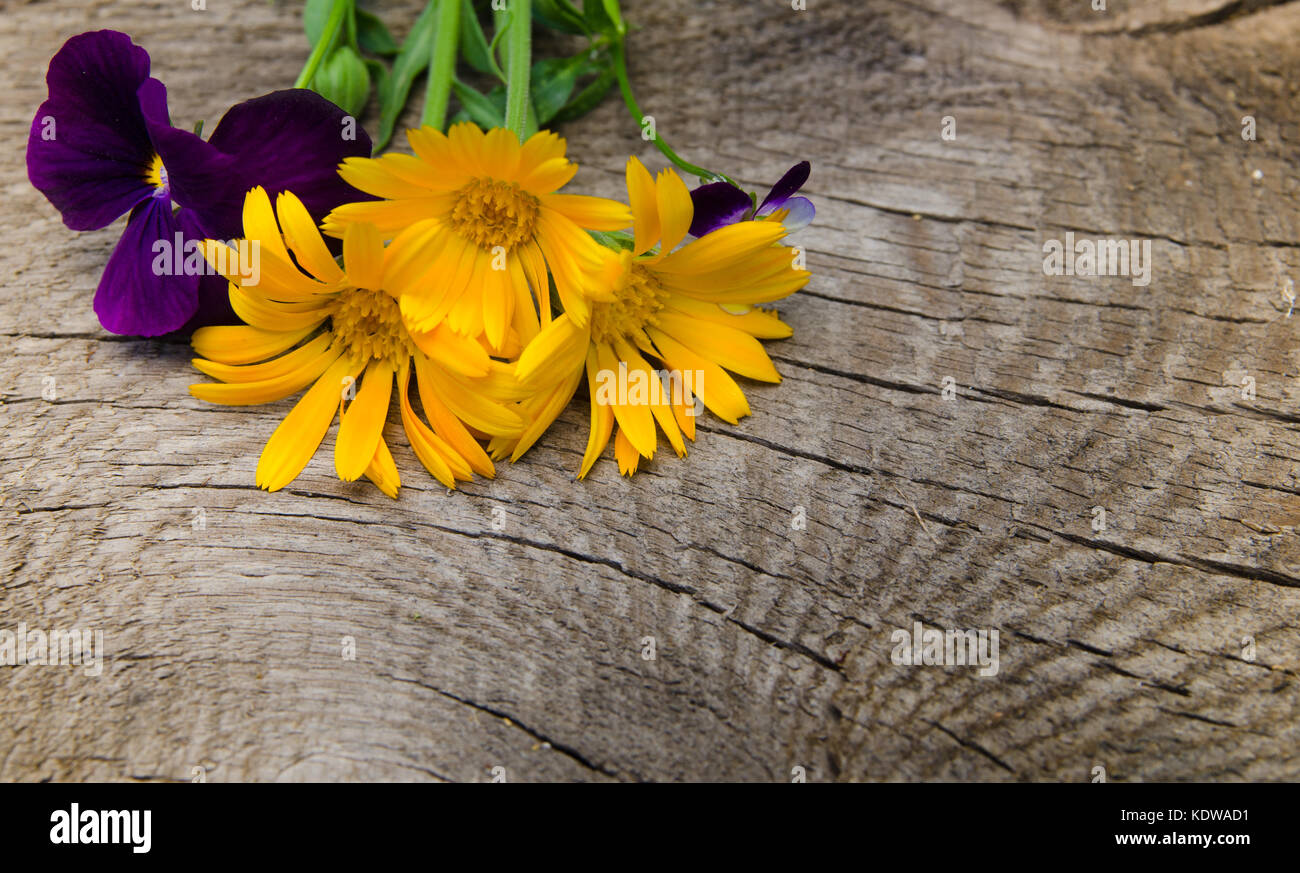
column 619, row 53
column 519, row 51
column 340, row 12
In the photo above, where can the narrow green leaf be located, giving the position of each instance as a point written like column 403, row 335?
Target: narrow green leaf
column 411, row 60
column 616, row 240
column 474, row 43
column 373, row 35
column 314, row 16
column 597, row 19
column 560, row 15
column 378, row 74
column 588, row 98
column 480, row 108
column 553, row 81
column 615, row 16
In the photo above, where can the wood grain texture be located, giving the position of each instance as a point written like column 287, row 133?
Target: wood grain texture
column 519, row 644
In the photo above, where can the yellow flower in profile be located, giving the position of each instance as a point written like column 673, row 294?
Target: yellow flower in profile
column 692, row 310
column 311, row 322
column 475, row 223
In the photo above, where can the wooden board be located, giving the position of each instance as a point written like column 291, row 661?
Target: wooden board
column 505, row 625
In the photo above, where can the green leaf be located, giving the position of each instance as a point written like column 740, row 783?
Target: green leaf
column 344, row 80
column 597, row 18
column 560, row 15
column 473, row 42
column 373, row 35
column 553, row 81
column 617, row 240
column 409, row 63
column 378, row 74
column 314, row 16
column 588, row 98
column 481, row 109
column 615, row 16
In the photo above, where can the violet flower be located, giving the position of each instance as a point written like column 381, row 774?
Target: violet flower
column 103, row 144
column 721, row 203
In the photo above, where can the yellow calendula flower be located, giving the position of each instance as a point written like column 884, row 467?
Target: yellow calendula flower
column 310, row 322
column 690, row 309
column 476, row 224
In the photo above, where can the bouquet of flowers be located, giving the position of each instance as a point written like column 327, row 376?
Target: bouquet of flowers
column 302, row 257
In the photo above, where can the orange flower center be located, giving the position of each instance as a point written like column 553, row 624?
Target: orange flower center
column 369, row 325
column 637, row 301
column 491, row 213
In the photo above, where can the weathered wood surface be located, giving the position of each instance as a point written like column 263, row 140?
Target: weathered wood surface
column 521, row 647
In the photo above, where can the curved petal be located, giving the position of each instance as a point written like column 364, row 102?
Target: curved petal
column 799, row 213
column 141, row 293
column 290, row 140
column 717, row 205
column 88, row 149
column 645, row 206
column 300, row 434
column 214, row 289
column 676, row 211
column 789, row 185
column 602, row 420
column 197, row 173
column 383, row 470
column 362, row 424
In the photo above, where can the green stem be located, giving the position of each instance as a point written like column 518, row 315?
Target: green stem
column 442, row 66
column 519, row 53
column 620, row 69
column 333, row 26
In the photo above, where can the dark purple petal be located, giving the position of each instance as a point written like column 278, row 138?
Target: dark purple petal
column 199, row 175
column 289, row 140
column 801, row 213
column 152, row 97
column 717, row 204
column 783, row 190
column 214, row 290
column 88, row 149
column 141, row 293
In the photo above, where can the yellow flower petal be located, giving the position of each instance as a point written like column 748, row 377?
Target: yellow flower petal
column 302, row 236
column 592, row 213
column 718, row 391
column 625, row 453
column 756, row 322
column 363, row 256
column 634, row 419
column 732, row 349
column 446, row 424
column 675, row 209
column 424, row 442
column 268, row 369
column 362, row 423
column 271, row 389
column 723, row 248
column 241, row 344
column 300, row 434
column 602, row 420
column 558, row 349
column 382, row 470
column 643, row 198
column 260, row 223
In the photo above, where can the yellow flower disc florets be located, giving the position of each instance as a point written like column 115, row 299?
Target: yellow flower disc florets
column 637, row 302
column 491, row 213
column 369, row 325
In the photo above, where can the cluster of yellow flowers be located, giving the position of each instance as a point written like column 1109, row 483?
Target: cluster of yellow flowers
column 472, row 274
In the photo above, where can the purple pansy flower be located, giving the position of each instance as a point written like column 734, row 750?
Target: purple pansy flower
column 103, row 144
column 721, row 203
